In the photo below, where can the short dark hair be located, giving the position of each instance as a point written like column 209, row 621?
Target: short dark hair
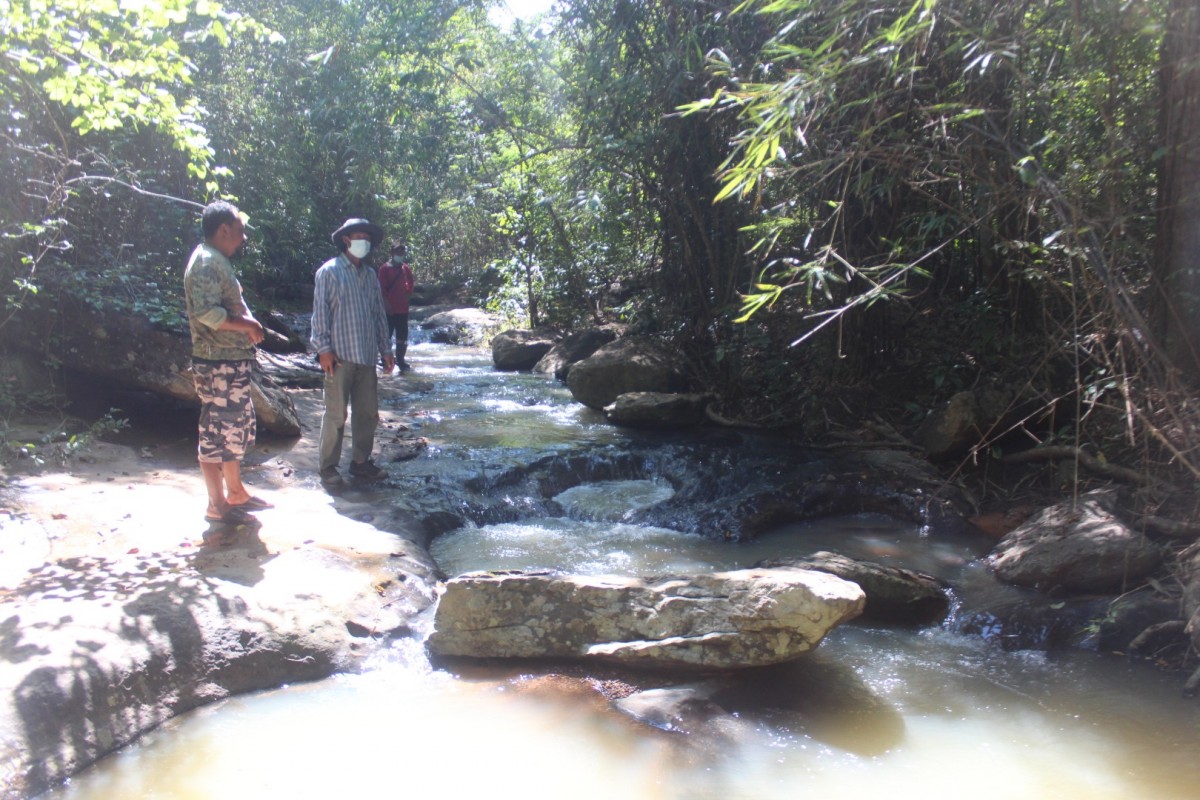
column 216, row 214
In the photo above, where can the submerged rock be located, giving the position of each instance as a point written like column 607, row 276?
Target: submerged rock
column 1048, row 624
column 686, row 709
column 828, row 701
column 728, row 620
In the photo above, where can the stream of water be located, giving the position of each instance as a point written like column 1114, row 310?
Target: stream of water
column 874, row 712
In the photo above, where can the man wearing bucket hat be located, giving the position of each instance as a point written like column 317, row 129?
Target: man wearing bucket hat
column 350, row 335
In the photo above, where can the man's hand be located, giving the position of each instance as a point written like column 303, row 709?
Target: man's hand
column 389, row 363
column 254, row 330
column 328, row 362
column 247, row 325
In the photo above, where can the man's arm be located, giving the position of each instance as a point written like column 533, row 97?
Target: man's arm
column 321, row 316
column 207, row 286
column 247, row 325
column 381, row 332
column 322, row 319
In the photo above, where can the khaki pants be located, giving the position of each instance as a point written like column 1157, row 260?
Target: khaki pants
column 353, row 388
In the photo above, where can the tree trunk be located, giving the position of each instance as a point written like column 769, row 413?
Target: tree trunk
column 1177, row 257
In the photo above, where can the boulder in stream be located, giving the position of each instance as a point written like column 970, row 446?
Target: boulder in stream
column 967, row 419
column 1079, row 547
column 657, row 410
column 574, row 348
column 720, row 621
column 516, row 350
column 894, row 594
column 632, row 364
column 461, row 326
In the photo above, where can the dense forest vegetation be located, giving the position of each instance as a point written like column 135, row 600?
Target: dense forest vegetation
column 840, row 210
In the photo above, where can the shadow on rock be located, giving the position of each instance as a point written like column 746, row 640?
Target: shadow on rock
column 233, row 553
column 103, row 650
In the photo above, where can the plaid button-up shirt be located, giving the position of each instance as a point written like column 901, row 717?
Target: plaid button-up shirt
column 348, row 317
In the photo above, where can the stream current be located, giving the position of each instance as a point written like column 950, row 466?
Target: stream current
column 875, row 712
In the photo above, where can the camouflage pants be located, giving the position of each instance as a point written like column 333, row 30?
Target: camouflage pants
column 226, row 412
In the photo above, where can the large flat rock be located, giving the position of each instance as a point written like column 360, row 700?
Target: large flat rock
column 727, row 620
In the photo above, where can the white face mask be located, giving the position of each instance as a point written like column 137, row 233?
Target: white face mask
column 360, row 247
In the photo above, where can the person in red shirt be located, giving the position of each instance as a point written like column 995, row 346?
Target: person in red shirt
column 396, row 282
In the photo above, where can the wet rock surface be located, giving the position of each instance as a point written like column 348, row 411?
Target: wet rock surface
column 738, row 493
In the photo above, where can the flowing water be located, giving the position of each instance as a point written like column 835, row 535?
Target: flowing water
column 873, row 712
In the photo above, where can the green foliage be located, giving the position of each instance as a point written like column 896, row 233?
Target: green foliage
column 100, row 128
column 827, row 194
column 907, row 146
column 111, row 65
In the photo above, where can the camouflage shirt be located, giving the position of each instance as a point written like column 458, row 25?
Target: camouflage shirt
column 213, row 294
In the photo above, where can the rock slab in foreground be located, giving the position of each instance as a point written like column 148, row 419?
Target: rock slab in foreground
column 95, row 652
column 728, row 620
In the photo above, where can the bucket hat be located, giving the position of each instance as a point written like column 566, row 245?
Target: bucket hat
column 357, row 225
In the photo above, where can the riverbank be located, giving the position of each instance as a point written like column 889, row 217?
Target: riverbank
column 120, row 607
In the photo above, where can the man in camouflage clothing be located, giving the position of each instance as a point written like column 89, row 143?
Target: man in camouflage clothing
column 224, row 334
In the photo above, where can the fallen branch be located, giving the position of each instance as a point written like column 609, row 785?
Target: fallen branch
column 1055, row 452
column 711, row 413
column 890, row 435
column 1158, row 636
